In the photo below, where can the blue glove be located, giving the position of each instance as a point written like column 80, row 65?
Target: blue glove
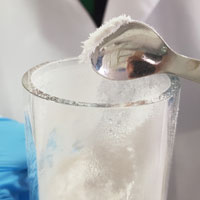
column 13, row 167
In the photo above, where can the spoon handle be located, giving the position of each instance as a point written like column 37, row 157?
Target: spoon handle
column 184, row 67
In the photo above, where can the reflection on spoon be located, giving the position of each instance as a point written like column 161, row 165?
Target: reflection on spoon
column 134, row 50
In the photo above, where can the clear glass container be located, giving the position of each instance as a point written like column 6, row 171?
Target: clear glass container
column 89, row 138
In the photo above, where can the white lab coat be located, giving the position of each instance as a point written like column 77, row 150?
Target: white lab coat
column 34, row 31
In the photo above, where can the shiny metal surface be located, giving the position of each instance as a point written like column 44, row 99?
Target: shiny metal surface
column 136, row 50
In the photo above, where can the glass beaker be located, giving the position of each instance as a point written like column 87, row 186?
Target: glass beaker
column 97, row 139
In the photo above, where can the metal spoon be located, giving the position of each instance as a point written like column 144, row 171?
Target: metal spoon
column 136, row 50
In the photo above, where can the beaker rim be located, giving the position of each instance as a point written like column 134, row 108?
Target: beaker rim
column 31, row 88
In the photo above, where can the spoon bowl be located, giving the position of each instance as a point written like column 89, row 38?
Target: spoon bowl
column 136, row 50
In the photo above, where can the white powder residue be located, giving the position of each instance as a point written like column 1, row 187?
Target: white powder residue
column 122, row 159
column 97, row 37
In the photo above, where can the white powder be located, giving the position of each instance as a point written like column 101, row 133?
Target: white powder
column 121, row 158
column 102, row 32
